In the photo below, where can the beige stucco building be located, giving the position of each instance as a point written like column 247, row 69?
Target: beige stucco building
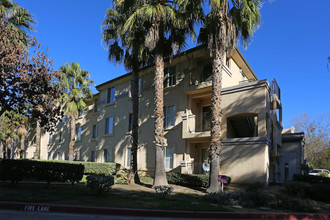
column 251, row 120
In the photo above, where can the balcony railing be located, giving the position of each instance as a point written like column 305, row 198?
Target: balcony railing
column 199, row 123
column 275, row 89
column 199, row 75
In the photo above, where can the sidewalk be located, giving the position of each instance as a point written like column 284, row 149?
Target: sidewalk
column 51, row 208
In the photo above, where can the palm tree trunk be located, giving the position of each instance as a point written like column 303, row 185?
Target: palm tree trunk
column 215, row 143
column 160, row 174
column 72, row 137
column 135, row 123
column 38, row 140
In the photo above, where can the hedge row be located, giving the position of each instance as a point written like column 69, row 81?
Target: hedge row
column 94, row 167
column 311, row 179
column 192, row 180
column 18, row 170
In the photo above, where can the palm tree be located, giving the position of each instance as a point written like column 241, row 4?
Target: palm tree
column 127, row 47
column 165, row 23
column 227, row 22
column 18, row 16
column 75, row 83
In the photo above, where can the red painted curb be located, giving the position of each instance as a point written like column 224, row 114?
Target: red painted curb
column 37, row 207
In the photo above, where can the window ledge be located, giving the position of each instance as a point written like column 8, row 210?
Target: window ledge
column 110, row 104
column 108, row 135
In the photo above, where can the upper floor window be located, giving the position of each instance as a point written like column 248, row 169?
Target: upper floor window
column 109, row 125
column 96, row 106
column 207, row 73
column 111, row 95
column 78, row 133
column 94, row 134
column 130, row 122
column 169, row 76
column 168, row 157
column 169, row 116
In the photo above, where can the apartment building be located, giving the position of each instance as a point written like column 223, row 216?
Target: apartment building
column 251, row 121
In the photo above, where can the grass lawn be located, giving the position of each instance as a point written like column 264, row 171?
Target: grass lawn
column 121, row 196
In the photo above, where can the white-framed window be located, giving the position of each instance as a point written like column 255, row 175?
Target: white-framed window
column 109, row 125
column 111, row 95
column 50, row 138
column 169, row 116
column 168, row 157
column 96, row 106
column 130, row 122
column 94, row 132
column 128, row 157
column 77, row 155
column 169, row 76
column 78, row 133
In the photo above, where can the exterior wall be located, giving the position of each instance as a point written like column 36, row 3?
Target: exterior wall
column 243, row 161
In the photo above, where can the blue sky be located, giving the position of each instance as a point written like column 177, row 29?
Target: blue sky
column 291, row 45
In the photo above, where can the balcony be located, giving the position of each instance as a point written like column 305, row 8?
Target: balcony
column 196, row 126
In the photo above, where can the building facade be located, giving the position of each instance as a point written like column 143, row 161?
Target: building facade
column 251, row 120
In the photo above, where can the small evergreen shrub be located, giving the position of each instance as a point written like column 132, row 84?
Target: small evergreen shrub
column 163, row 191
column 324, row 174
column 100, row 182
column 189, row 180
column 18, row 170
column 311, row 179
column 296, row 188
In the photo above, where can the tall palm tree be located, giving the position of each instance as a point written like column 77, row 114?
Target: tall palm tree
column 127, row 47
column 227, row 22
column 75, row 83
column 165, row 23
column 18, row 16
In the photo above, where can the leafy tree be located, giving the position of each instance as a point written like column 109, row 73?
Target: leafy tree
column 165, row 23
column 17, row 16
column 75, row 83
column 127, row 47
column 317, row 139
column 227, row 22
column 27, row 88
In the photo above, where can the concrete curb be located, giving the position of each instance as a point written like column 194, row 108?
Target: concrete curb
column 37, row 207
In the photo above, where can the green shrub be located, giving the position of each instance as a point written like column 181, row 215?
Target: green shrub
column 163, row 191
column 324, row 174
column 100, row 182
column 296, row 188
column 319, row 192
column 95, row 167
column 17, row 170
column 190, row 180
column 311, row 179
column 300, row 205
column 253, row 187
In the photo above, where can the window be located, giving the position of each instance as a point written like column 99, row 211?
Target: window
column 50, row 138
column 169, row 76
column 26, row 155
column 169, row 114
column 168, row 156
column 106, row 155
column 49, row 157
column 96, row 106
column 140, row 86
column 92, row 156
column 60, row 136
column 109, row 125
column 129, row 152
column 94, row 134
column 78, row 133
column 111, row 95
column 77, row 155
column 59, row 155
column 207, row 73
column 130, row 122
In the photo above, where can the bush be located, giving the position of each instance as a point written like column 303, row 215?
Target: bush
column 296, row 188
column 163, row 191
column 300, row 205
column 254, row 187
column 311, row 179
column 190, row 180
column 324, row 174
column 94, row 167
column 17, row 170
column 319, row 192
column 100, row 182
